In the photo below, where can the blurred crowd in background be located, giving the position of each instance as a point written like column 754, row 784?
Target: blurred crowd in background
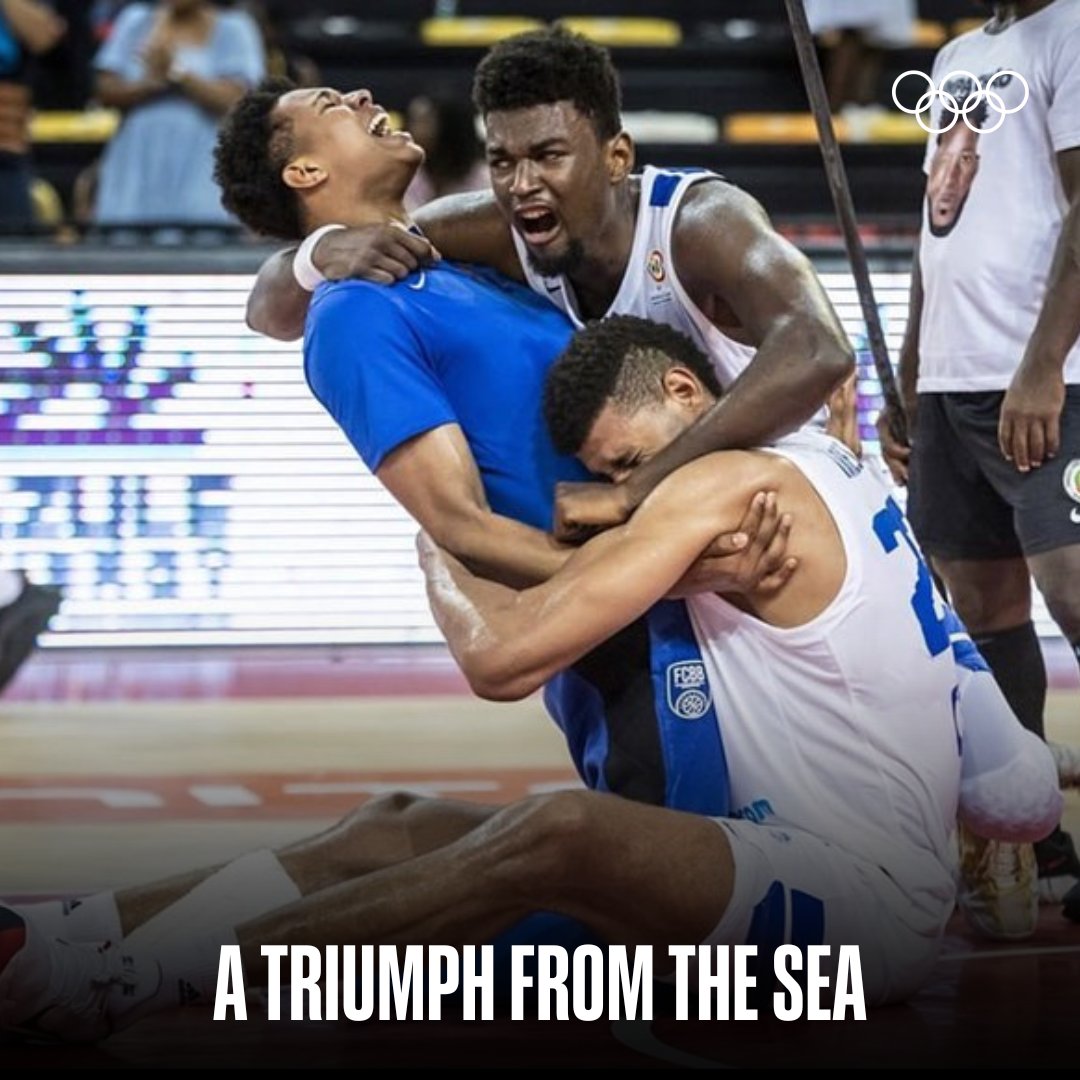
column 170, row 70
column 108, row 108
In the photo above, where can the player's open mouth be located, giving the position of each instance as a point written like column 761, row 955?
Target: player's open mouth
column 379, row 125
column 537, row 224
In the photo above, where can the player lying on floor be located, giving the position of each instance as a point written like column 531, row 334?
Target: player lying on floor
column 836, row 704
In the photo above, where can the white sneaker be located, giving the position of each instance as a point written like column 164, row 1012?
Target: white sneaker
column 53, row 989
column 998, row 892
column 1067, row 759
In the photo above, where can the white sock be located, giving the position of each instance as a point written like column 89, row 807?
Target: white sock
column 11, row 584
column 243, row 890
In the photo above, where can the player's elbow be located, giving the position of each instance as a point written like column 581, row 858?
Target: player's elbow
column 499, row 672
column 267, row 320
column 833, row 356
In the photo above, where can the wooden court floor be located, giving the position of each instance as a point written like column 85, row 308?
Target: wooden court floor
column 117, row 770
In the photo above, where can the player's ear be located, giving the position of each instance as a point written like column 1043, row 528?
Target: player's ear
column 620, row 157
column 683, row 387
column 303, row 173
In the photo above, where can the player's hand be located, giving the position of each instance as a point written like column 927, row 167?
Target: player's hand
column 843, row 423
column 583, row 510
column 754, row 558
column 1029, row 429
column 381, row 253
column 896, row 452
column 157, row 58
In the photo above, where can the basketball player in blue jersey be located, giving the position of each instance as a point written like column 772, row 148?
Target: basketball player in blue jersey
column 846, row 770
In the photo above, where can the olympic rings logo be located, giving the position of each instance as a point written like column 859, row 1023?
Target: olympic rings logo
column 968, row 103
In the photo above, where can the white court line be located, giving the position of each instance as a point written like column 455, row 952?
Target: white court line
column 994, row 954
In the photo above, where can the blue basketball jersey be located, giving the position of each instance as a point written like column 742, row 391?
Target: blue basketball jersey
column 447, row 345
column 458, row 345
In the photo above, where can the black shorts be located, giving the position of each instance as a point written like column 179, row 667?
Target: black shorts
column 965, row 501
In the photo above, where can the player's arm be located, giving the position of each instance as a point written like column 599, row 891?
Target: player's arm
column 725, row 248
column 1029, row 430
column 37, row 27
column 435, row 478
column 508, row 643
column 466, row 228
column 376, row 375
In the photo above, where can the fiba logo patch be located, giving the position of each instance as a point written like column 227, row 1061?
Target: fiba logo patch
column 688, row 693
column 1070, row 479
column 655, row 265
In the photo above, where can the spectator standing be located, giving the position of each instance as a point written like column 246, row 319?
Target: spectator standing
column 173, row 68
column 990, row 365
column 27, row 28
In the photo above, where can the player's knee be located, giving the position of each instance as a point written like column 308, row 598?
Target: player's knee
column 1057, row 573
column 1063, row 604
column 389, row 808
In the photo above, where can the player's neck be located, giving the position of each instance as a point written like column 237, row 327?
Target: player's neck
column 597, row 278
column 1010, row 11
column 355, row 213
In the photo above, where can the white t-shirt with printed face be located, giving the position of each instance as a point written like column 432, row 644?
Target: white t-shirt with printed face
column 995, row 202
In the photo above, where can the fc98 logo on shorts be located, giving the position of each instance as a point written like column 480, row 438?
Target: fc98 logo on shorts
column 972, row 96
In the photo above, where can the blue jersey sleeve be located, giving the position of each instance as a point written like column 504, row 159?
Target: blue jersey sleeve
column 370, row 370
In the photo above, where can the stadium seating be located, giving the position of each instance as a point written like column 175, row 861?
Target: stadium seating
column 708, row 82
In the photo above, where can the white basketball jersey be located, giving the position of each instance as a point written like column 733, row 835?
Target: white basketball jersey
column 650, row 288
column 845, row 726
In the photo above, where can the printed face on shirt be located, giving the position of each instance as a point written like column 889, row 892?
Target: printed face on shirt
column 555, row 180
column 952, row 170
column 349, row 135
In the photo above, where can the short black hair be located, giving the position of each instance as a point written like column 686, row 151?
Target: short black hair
column 250, row 153
column 621, row 360
column 542, row 67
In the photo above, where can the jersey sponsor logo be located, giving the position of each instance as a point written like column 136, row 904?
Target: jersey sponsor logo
column 688, row 692
column 757, row 811
column 655, row 265
column 962, row 95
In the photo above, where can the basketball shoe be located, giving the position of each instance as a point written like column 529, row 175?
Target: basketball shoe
column 58, row 990
column 1059, row 872
column 998, row 893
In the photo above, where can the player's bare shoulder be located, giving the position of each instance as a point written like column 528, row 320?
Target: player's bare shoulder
column 717, row 226
column 727, row 479
column 716, row 203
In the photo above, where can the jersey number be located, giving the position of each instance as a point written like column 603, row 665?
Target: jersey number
column 890, row 528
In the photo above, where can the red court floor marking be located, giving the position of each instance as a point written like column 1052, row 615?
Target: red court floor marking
column 75, row 800
column 284, row 672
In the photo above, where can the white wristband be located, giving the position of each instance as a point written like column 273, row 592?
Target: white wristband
column 307, row 275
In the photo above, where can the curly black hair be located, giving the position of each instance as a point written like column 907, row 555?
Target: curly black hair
column 622, row 360
column 541, row 67
column 251, row 150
